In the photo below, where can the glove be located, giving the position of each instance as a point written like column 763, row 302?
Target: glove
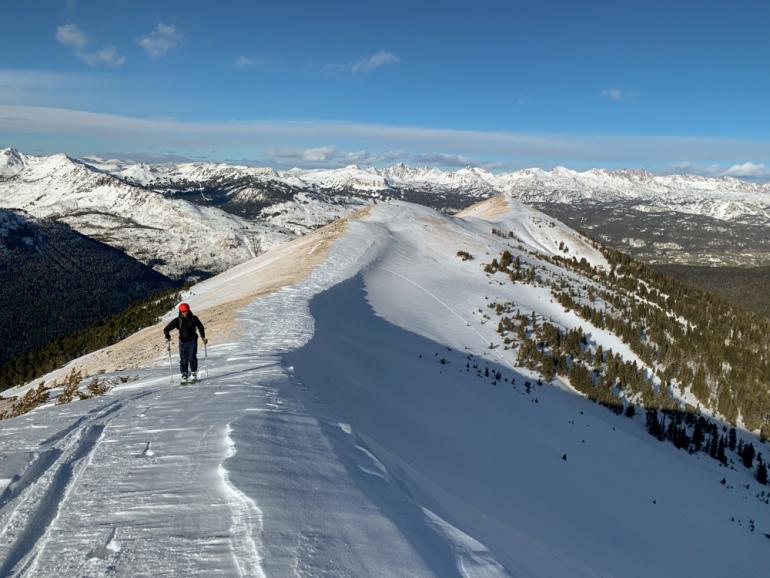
column 168, row 338
column 205, row 340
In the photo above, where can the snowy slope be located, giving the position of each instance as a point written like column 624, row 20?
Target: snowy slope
column 340, row 434
column 723, row 198
column 174, row 236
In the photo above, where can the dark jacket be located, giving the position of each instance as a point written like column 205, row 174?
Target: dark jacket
column 186, row 327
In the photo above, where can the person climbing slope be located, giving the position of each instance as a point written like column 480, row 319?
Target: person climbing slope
column 187, row 324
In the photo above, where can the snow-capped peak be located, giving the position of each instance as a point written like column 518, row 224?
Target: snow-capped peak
column 11, row 162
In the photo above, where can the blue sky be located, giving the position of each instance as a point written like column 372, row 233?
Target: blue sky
column 663, row 85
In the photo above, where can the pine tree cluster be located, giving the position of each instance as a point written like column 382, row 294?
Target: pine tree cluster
column 694, row 341
column 106, row 332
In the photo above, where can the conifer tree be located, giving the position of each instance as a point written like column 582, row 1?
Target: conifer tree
column 762, row 474
column 748, row 455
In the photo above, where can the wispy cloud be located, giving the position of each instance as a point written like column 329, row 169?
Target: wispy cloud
column 745, row 170
column 365, row 64
column 39, row 87
column 108, row 56
column 329, row 156
column 318, row 154
column 70, row 35
column 264, row 63
column 73, row 37
column 162, row 39
column 244, row 62
column 614, row 93
column 749, row 170
column 519, row 149
column 445, row 160
column 376, row 60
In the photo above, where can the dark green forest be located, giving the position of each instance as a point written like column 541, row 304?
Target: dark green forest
column 55, row 281
column 100, row 334
column 748, row 287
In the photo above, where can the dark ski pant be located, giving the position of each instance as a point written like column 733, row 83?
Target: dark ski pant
column 188, row 356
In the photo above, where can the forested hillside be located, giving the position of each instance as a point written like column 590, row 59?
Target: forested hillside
column 55, row 281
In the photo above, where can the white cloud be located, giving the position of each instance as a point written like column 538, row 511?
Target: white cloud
column 244, row 62
column 748, row 170
column 264, row 63
column 70, row 35
column 331, row 156
column 318, row 154
column 160, row 40
column 376, row 60
column 41, row 87
column 614, row 93
column 108, row 56
column 447, row 160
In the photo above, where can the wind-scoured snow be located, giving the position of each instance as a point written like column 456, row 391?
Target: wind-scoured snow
column 340, row 433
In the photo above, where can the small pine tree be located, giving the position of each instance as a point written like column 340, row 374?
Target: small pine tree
column 721, row 455
column 748, row 455
column 762, row 474
column 714, row 446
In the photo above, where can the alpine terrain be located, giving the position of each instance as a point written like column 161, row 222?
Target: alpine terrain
column 402, row 392
column 243, row 210
column 679, row 218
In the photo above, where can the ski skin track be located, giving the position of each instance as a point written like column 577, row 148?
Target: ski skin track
column 32, row 540
column 36, row 528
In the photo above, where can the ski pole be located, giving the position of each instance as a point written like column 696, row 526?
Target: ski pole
column 170, row 366
column 206, row 358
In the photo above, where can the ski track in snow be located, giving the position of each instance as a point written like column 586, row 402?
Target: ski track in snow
column 483, row 340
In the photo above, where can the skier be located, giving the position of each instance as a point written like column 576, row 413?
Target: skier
column 187, row 323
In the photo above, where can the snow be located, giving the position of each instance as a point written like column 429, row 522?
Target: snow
column 330, row 440
column 174, row 236
column 125, row 203
column 11, row 162
column 722, row 198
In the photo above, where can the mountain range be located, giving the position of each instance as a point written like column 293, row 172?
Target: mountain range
column 685, row 219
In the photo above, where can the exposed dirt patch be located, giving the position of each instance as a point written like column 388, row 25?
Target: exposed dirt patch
column 489, row 210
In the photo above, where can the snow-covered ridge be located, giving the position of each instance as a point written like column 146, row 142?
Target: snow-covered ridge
column 347, row 428
column 724, row 198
